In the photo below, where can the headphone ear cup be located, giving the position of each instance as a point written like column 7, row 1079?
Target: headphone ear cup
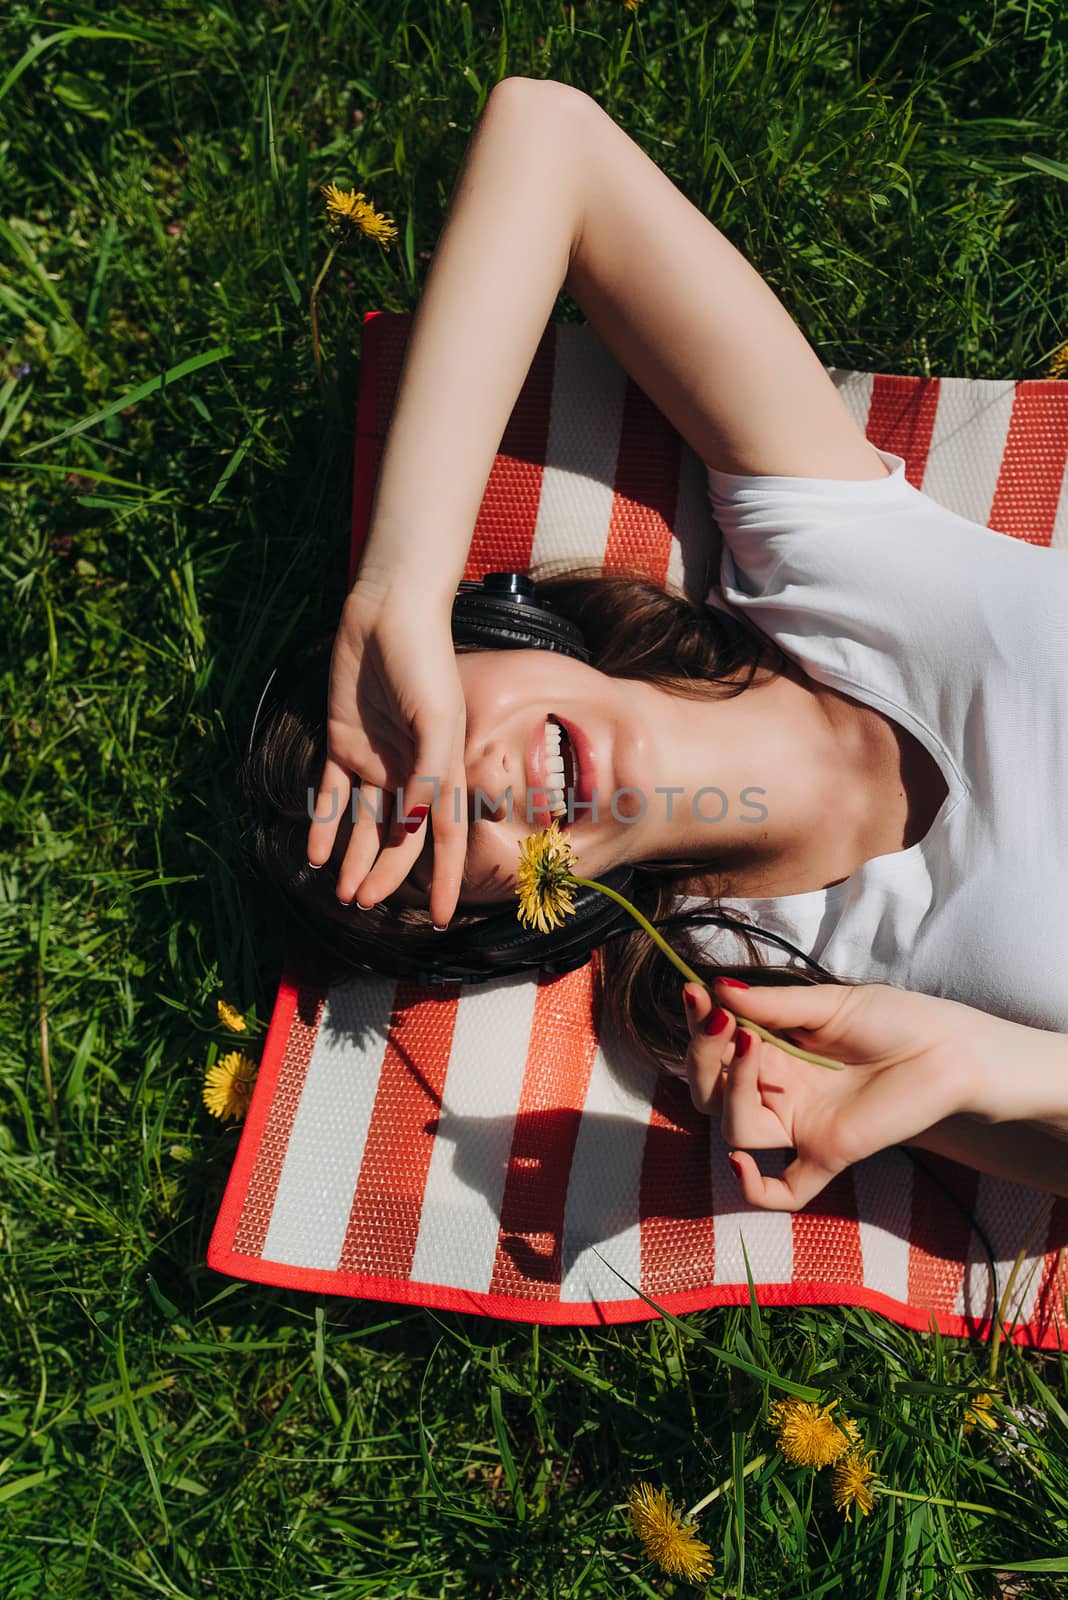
column 501, row 615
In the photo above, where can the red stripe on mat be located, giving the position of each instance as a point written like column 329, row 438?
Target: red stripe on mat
column 288, row 1051
column 1033, row 464
column 941, row 1233
column 504, row 528
column 678, row 1231
column 1050, row 1312
column 560, row 1057
column 400, row 1135
column 831, row 1226
column 646, row 488
column 901, row 419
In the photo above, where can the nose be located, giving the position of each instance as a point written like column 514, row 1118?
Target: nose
column 491, row 772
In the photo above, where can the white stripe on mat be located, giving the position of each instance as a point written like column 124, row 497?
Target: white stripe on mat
column 460, row 1223
column 883, row 1187
column 971, row 427
column 322, row 1160
column 582, row 448
column 855, row 389
column 605, row 1179
column 768, row 1235
column 1007, row 1213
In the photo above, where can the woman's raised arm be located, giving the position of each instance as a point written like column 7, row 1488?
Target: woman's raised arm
column 396, row 715
column 697, row 327
column 498, row 267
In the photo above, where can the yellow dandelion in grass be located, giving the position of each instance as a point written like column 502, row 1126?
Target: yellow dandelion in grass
column 849, row 1483
column 347, row 210
column 665, row 1537
column 808, row 1435
column 632, row 5
column 228, row 1085
column 977, row 1413
column 1058, row 363
column 231, row 1018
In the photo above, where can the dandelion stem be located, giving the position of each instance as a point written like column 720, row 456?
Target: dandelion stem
column 714, row 1494
column 693, row 977
column 937, row 1500
column 313, row 310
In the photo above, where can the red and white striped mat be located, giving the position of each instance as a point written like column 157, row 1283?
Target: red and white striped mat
column 486, row 1148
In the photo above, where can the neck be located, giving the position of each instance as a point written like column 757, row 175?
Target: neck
column 777, row 785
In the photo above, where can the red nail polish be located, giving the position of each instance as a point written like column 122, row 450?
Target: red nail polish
column 732, row 983
column 689, row 998
column 736, row 1168
column 416, row 818
column 717, row 1021
column 742, row 1041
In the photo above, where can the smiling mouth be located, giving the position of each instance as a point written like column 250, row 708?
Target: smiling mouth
column 561, row 770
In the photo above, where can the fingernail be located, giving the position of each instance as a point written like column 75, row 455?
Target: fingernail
column 441, row 927
column 415, row 819
column 690, row 999
column 717, row 1021
column 732, row 983
column 742, row 1041
column 317, row 866
column 361, row 905
column 736, row 1168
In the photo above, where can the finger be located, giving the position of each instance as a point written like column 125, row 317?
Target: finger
column 438, row 760
column 439, row 764
column 370, row 827
column 745, row 1118
column 392, row 865
column 802, row 1005
column 449, row 825
column 331, row 798
column 699, row 1006
column 801, row 1182
column 708, row 1050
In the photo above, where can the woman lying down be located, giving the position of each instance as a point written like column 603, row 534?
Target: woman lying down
column 877, row 687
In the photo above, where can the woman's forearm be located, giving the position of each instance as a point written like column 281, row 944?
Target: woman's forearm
column 1022, row 1151
column 1020, row 1076
column 500, row 262
column 1013, row 1118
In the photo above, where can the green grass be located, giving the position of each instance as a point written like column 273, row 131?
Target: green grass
column 893, row 170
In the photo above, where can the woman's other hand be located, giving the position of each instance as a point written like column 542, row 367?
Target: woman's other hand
column 396, row 721
column 908, row 1058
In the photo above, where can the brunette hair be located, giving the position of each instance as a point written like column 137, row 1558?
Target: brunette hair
column 635, row 629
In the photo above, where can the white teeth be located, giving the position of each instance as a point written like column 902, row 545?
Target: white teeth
column 554, row 768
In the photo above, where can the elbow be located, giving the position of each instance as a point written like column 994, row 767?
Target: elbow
column 537, row 92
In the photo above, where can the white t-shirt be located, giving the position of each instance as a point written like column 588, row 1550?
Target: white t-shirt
column 960, row 634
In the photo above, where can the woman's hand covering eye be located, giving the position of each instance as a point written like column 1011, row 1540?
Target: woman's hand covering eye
column 396, row 720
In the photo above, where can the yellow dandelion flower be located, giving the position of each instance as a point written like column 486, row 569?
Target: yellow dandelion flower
column 544, row 878
column 665, row 1538
column 977, row 1413
column 347, row 209
column 231, row 1018
column 632, row 5
column 849, row 1483
column 808, row 1435
column 228, row 1085
column 1058, row 363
